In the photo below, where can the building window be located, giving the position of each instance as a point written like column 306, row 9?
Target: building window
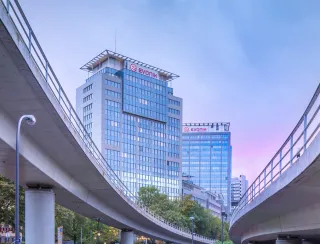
column 87, row 117
column 143, row 101
column 87, row 98
column 88, row 127
column 174, row 111
column 88, row 88
column 112, row 93
column 174, row 102
column 112, row 105
column 87, row 108
column 112, row 83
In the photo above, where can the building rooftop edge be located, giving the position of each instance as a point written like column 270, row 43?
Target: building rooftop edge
column 89, row 66
column 206, row 124
column 199, row 187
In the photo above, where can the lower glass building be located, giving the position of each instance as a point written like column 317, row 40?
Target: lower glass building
column 131, row 113
column 207, row 157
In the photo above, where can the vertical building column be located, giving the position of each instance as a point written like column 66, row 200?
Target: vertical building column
column 39, row 216
column 127, row 237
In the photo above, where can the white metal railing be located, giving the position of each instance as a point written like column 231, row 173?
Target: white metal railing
column 295, row 145
column 28, row 37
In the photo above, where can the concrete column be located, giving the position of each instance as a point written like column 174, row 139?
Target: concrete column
column 39, row 216
column 127, row 237
column 288, row 241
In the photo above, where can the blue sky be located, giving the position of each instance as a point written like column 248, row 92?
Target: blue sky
column 253, row 63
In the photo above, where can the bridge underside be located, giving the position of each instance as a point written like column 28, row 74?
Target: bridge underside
column 290, row 206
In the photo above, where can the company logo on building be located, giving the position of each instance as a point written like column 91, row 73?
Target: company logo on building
column 194, row 129
column 141, row 70
column 133, row 67
column 198, row 129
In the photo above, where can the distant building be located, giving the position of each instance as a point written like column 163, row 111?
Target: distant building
column 205, row 198
column 239, row 186
column 130, row 112
column 207, row 157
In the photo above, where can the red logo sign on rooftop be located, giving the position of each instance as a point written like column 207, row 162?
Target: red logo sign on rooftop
column 133, row 67
column 143, row 71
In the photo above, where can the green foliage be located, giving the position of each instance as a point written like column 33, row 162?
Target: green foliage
column 72, row 222
column 7, row 202
column 175, row 211
column 179, row 212
column 225, row 242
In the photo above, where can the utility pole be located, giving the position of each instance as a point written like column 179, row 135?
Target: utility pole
column 222, row 229
column 192, row 219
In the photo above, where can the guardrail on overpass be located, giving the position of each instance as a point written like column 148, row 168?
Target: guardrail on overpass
column 294, row 146
column 28, row 37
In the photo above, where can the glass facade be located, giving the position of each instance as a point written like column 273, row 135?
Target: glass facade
column 145, row 96
column 206, row 158
column 141, row 129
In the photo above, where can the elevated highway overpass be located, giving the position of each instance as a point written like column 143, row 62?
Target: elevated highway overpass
column 283, row 204
column 59, row 161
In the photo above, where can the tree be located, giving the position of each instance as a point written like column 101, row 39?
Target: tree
column 73, row 223
column 7, row 202
column 161, row 205
column 108, row 234
column 179, row 212
column 149, row 196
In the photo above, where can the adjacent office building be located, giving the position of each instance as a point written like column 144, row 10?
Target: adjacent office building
column 207, row 157
column 205, row 198
column 239, row 186
column 132, row 115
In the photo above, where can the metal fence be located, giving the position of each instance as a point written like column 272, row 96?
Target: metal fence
column 28, row 37
column 289, row 153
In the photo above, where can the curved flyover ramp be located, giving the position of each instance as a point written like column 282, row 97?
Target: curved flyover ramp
column 284, row 200
column 57, row 151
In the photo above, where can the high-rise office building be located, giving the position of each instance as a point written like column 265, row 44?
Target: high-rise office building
column 132, row 115
column 207, row 156
column 239, row 186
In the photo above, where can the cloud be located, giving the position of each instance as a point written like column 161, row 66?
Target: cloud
column 253, row 63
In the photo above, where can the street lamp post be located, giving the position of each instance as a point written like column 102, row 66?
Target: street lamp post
column 31, row 120
column 98, row 234
column 192, row 220
column 223, row 215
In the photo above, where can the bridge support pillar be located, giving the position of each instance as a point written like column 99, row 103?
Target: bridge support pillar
column 39, row 216
column 288, row 241
column 127, row 237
